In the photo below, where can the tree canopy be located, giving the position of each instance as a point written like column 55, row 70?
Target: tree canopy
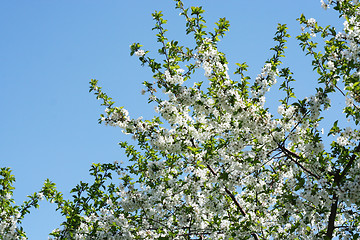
column 215, row 162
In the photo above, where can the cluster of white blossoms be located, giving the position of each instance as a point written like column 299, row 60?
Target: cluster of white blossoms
column 351, row 53
column 188, row 96
column 325, row 5
column 330, row 65
column 348, row 137
column 311, row 24
column 316, row 104
column 117, row 117
column 140, row 53
column 175, row 79
column 350, row 190
column 8, row 226
column 208, row 57
column 352, row 33
column 264, row 81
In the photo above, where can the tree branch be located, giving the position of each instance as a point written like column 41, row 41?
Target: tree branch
column 292, row 157
column 337, row 179
column 256, row 237
column 331, row 224
column 348, row 165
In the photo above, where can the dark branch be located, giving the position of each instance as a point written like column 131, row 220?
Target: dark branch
column 293, row 156
column 349, row 164
column 331, row 224
column 256, row 237
column 337, row 179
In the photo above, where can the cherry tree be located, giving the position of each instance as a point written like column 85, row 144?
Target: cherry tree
column 214, row 162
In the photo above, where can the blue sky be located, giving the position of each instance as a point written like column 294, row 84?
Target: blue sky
column 51, row 49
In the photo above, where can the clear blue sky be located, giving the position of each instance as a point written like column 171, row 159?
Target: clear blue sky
column 51, row 49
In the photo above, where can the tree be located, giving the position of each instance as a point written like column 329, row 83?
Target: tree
column 215, row 163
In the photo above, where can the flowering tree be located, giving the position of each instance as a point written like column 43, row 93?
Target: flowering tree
column 215, row 163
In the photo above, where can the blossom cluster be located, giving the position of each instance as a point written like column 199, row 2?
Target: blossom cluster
column 8, row 226
column 264, row 80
